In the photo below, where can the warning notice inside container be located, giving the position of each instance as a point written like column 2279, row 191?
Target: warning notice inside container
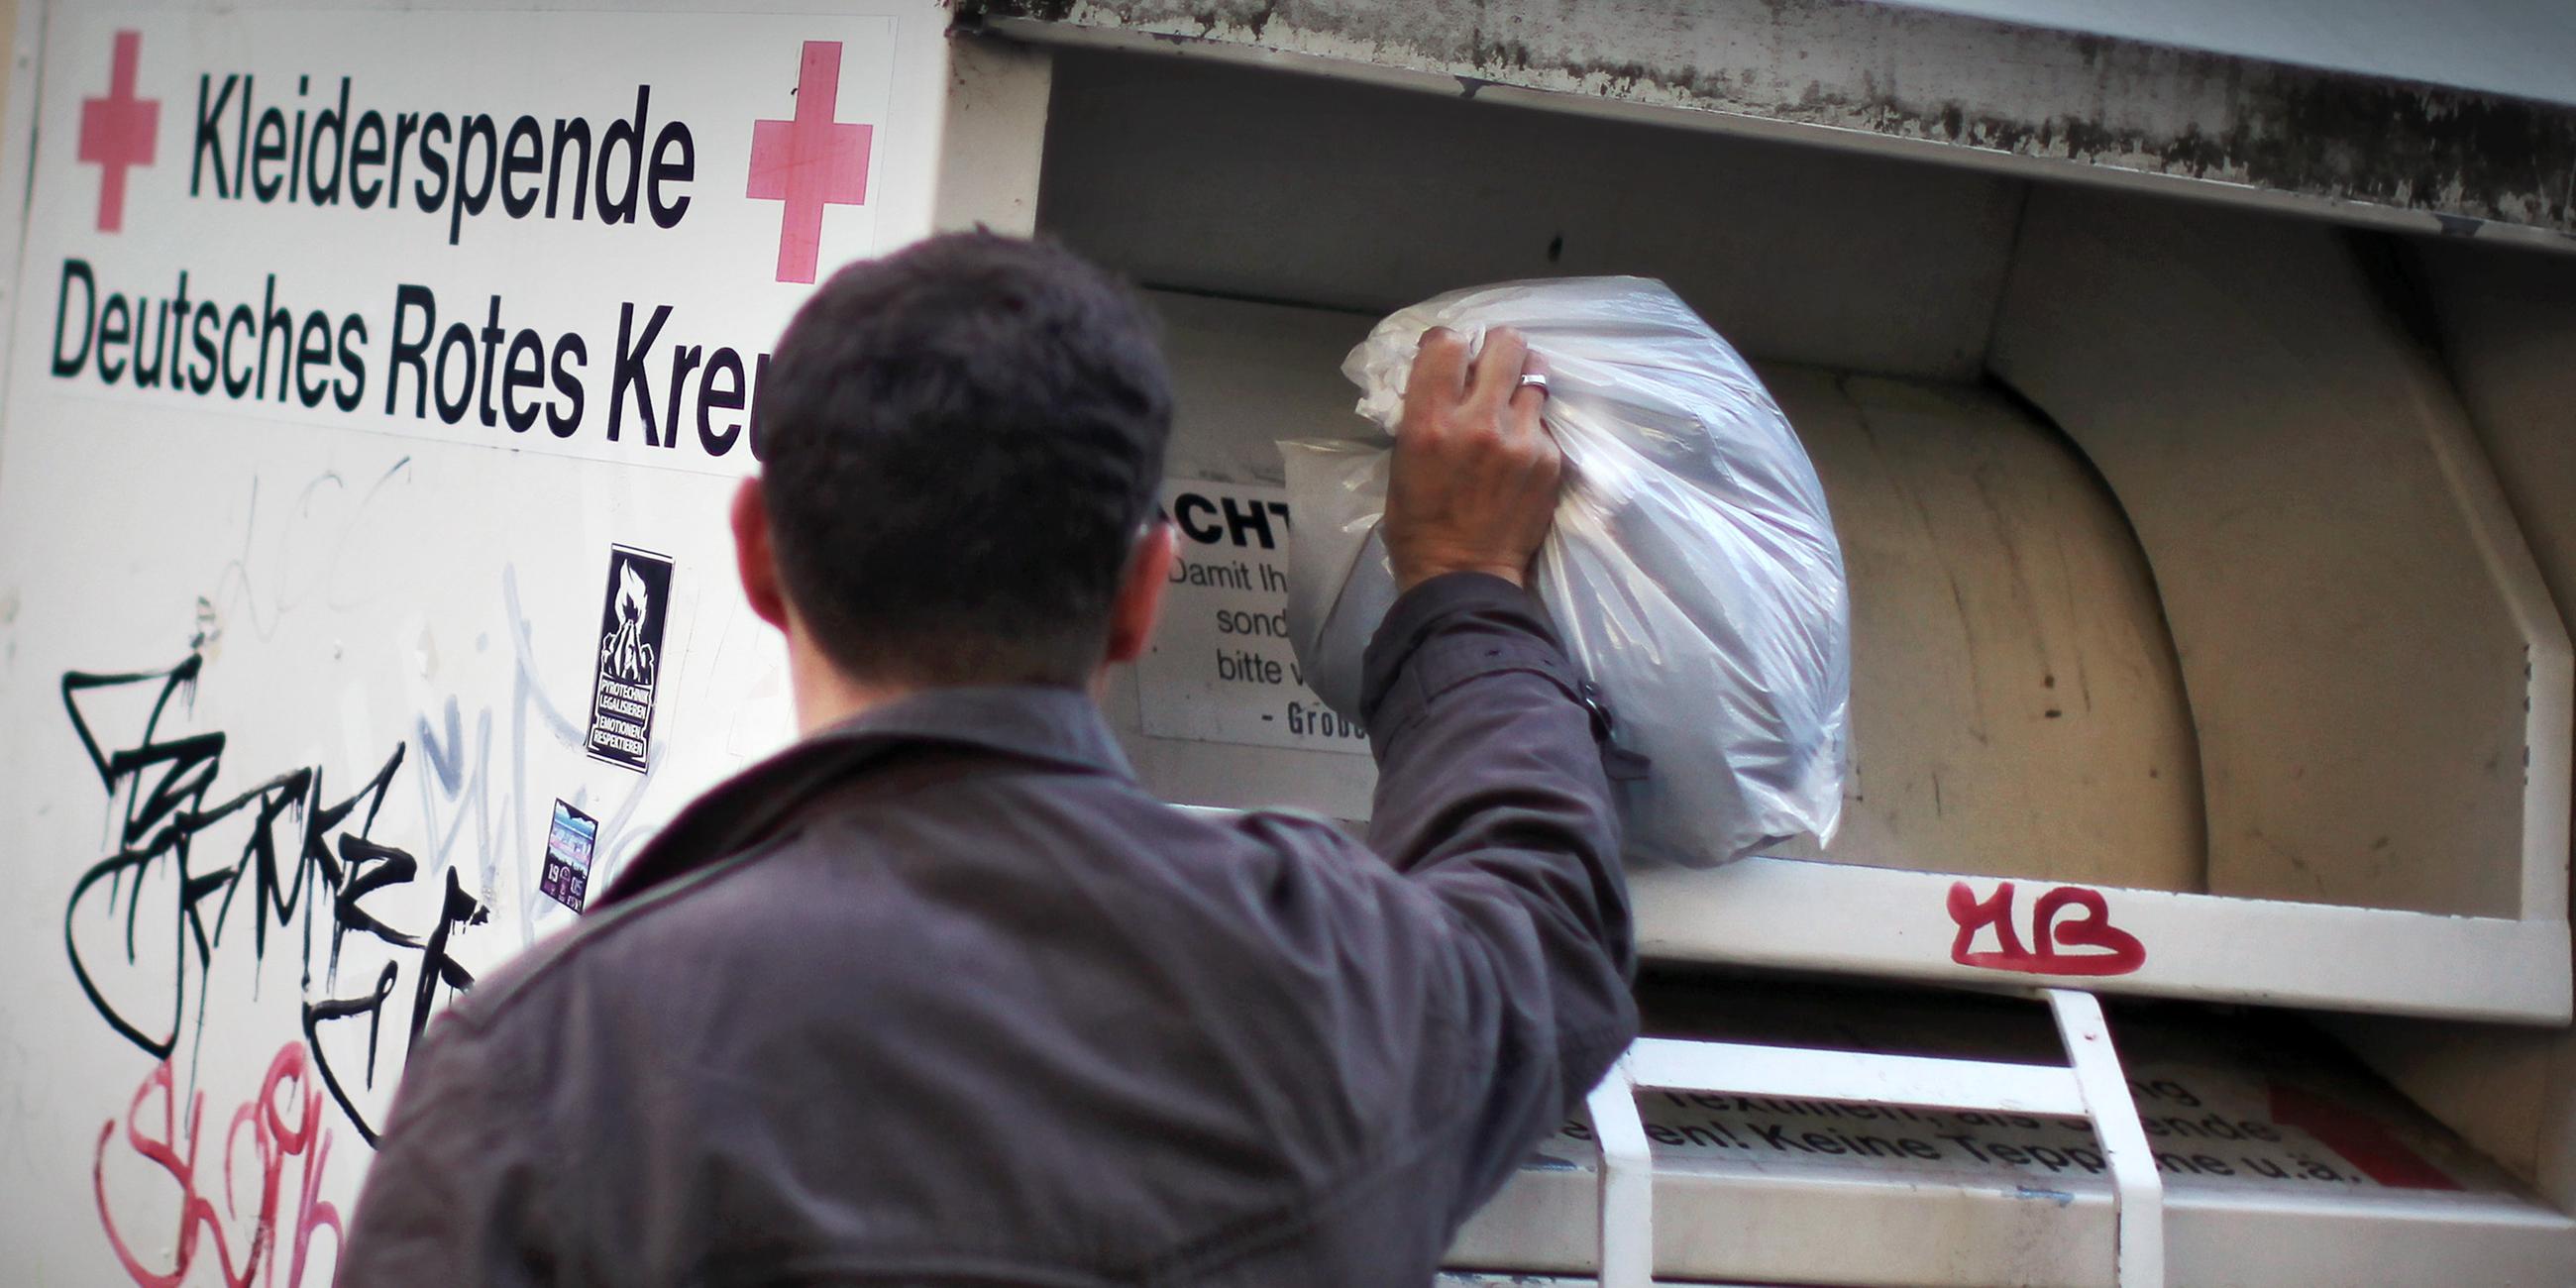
column 2203, row 1123
column 1221, row 669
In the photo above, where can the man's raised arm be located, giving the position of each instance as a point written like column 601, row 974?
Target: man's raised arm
column 1491, row 789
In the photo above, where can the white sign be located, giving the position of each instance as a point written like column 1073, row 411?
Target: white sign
column 339, row 333
column 566, row 233
column 1221, row 669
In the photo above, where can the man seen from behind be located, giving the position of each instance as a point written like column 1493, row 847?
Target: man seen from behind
column 940, row 995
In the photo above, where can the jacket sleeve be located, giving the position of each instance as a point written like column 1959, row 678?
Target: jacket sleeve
column 1493, row 797
column 432, row 1209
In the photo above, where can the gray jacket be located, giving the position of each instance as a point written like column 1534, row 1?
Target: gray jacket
column 942, row 997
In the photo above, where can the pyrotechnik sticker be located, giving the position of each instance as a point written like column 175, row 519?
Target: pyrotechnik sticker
column 568, row 845
column 630, row 656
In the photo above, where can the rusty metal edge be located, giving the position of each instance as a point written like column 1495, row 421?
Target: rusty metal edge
column 2345, row 147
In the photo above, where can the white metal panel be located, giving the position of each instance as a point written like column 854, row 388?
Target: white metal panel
column 1758, row 1070
column 2506, row 325
column 993, row 137
column 1627, row 1173
column 1825, row 916
column 1329, row 193
column 1911, row 1233
column 2016, row 705
column 2246, row 1241
column 1737, row 1225
column 1992, row 585
column 2258, row 1134
column 2379, row 680
column 2137, row 1187
column 2520, row 47
column 2017, row 710
column 1244, row 377
column 2094, row 1088
column 25, row 47
column 357, row 591
column 1908, row 81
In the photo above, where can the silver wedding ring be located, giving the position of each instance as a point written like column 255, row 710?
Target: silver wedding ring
column 1533, row 380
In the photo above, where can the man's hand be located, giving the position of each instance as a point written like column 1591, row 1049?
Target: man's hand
column 1475, row 473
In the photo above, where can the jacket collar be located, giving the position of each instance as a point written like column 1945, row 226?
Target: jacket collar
column 1035, row 722
column 1055, row 726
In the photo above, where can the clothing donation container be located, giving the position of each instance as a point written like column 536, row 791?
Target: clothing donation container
column 2200, row 509
column 2191, row 399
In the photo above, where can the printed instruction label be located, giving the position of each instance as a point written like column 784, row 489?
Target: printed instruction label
column 1221, row 669
column 569, row 842
column 2201, row 1124
column 631, row 622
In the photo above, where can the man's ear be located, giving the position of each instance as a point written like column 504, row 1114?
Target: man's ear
column 1140, row 595
column 753, row 556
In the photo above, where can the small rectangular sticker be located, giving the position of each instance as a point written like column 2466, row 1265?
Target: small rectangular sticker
column 631, row 622
column 569, row 841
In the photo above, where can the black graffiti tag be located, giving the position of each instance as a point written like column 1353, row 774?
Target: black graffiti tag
column 299, row 863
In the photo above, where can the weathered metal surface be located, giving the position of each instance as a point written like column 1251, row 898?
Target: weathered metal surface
column 1948, row 85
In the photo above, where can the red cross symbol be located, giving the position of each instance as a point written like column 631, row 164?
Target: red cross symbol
column 116, row 131
column 810, row 162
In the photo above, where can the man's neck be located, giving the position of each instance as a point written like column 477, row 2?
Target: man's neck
column 825, row 695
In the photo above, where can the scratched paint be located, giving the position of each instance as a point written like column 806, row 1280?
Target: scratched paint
column 1843, row 71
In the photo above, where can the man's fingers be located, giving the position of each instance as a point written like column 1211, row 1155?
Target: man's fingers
column 1498, row 368
column 1522, row 416
column 1476, row 473
column 1439, row 377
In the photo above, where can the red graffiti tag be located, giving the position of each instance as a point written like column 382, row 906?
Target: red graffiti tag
column 2104, row 949
column 288, row 1088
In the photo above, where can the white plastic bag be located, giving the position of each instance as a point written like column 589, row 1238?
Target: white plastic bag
column 1692, row 573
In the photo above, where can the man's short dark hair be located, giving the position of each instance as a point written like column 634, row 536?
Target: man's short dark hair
column 961, row 442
